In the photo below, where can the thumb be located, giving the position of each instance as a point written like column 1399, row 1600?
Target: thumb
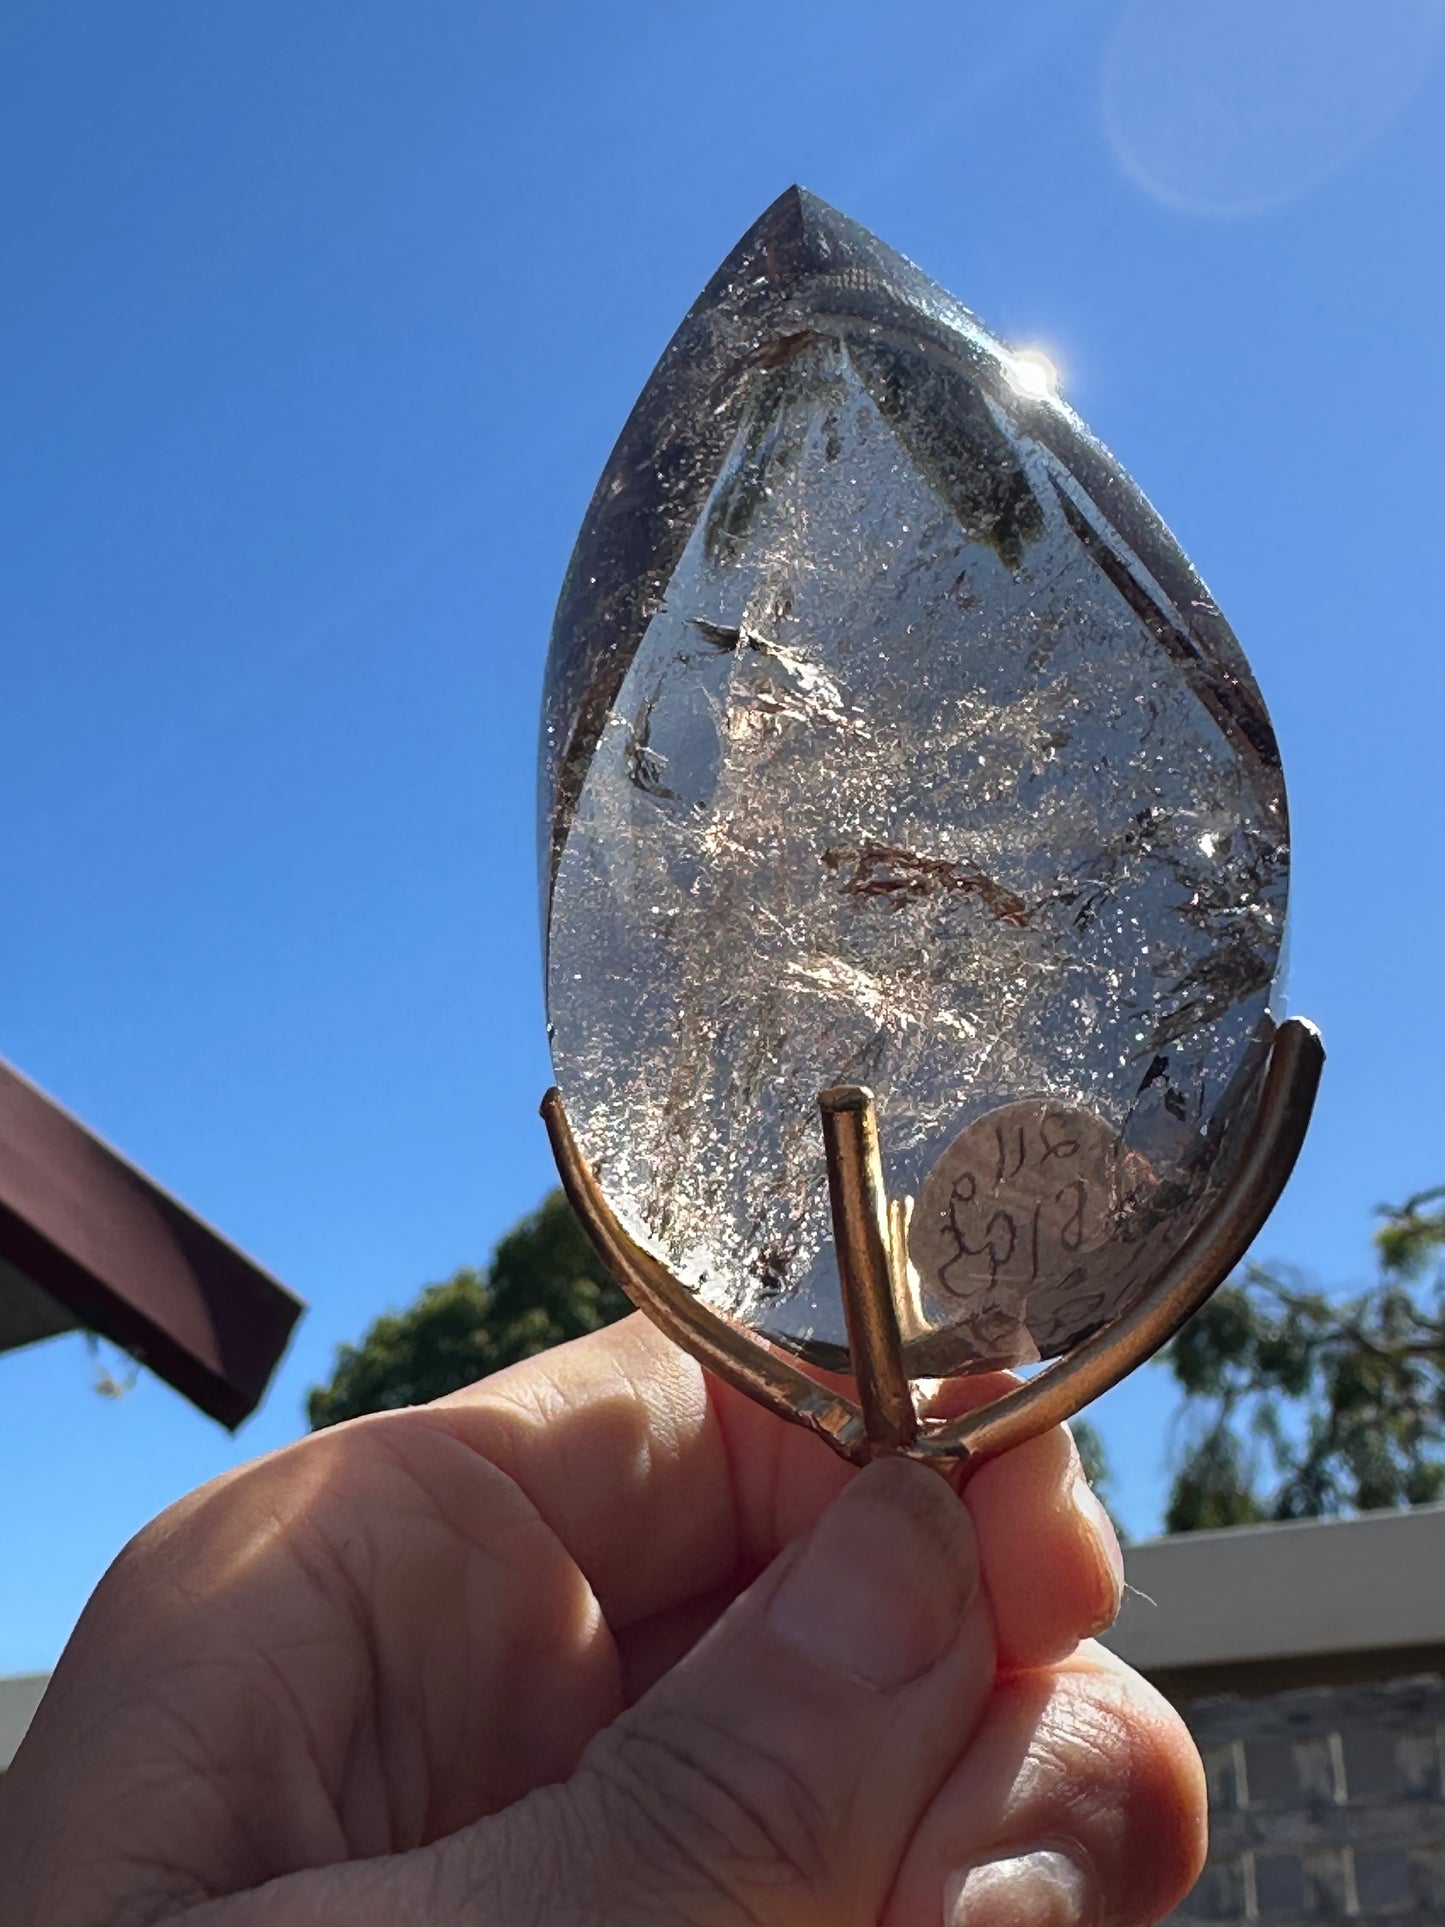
column 779, row 1772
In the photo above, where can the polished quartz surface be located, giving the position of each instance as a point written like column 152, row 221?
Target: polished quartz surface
column 890, row 740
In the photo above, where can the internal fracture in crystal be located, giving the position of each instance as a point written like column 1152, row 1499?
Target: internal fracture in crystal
column 891, row 740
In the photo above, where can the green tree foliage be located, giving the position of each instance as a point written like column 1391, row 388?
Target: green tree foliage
column 1095, row 1461
column 1091, row 1454
column 1298, row 1404
column 544, row 1284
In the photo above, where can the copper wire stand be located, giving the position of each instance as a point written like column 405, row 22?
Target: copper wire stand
column 884, row 1418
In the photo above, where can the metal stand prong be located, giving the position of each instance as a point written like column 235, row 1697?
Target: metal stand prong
column 872, row 1263
column 1205, row 1261
column 736, row 1356
column 862, row 1239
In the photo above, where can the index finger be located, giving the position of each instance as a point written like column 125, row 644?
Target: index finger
column 664, row 1485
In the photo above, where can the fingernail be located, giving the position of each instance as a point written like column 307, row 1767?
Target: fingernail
column 1111, row 1557
column 880, row 1587
column 1043, row 1889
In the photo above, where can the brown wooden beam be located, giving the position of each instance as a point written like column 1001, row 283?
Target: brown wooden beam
column 119, row 1256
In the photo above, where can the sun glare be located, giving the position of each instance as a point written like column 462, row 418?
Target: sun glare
column 1032, row 373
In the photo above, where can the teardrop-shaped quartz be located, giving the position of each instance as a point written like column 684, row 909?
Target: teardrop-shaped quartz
column 891, row 740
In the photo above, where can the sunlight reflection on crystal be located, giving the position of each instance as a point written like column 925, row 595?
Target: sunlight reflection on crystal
column 908, row 750
column 1033, row 373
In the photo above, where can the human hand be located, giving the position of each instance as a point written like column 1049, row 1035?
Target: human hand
column 598, row 1643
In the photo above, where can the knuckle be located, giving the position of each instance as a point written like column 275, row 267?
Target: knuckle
column 1116, row 1770
column 518, row 1866
column 705, row 1819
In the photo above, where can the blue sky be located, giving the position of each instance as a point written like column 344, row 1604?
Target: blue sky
column 319, row 322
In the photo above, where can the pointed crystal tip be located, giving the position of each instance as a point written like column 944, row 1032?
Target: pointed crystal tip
column 891, row 740
column 800, row 236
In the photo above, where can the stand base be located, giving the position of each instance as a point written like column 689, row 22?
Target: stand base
column 884, row 1418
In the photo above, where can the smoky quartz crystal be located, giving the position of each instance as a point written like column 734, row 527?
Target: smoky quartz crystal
column 890, row 739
